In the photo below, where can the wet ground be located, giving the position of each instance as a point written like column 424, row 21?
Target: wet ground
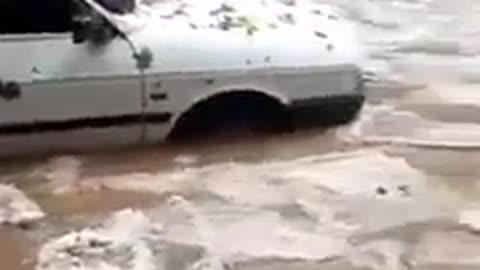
column 393, row 187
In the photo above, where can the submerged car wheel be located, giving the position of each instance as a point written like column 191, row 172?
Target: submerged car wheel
column 232, row 115
column 242, row 114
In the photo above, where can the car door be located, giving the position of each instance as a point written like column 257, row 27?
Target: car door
column 57, row 95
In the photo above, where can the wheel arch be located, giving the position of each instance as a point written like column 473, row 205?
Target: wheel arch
column 206, row 97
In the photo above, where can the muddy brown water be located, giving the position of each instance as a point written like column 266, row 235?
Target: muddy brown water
column 454, row 171
column 17, row 252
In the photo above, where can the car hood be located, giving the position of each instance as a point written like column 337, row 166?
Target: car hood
column 212, row 34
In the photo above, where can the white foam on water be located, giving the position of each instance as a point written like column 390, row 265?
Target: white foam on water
column 271, row 182
column 380, row 255
column 448, row 248
column 131, row 240
column 387, row 125
column 384, row 122
column 62, row 173
column 330, row 190
column 321, row 186
column 470, row 217
column 119, row 244
column 230, row 233
column 16, row 208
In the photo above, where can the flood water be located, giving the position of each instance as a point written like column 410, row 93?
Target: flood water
column 386, row 192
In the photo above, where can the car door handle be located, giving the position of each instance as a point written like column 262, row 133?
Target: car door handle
column 158, row 96
column 10, row 90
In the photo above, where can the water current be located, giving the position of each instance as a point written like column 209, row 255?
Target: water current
column 393, row 190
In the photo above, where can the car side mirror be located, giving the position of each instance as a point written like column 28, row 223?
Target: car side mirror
column 91, row 28
column 80, row 28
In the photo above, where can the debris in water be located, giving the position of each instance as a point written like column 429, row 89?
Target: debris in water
column 320, row 34
column 287, row 18
column 224, row 7
column 289, row 2
column 381, row 191
column 333, row 17
column 405, row 189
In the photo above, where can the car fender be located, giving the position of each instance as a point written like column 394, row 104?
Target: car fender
column 186, row 106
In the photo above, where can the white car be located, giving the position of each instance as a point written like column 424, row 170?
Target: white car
column 77, row 76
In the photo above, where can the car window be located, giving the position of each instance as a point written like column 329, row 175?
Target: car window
column 35, row 16
column 118, row 6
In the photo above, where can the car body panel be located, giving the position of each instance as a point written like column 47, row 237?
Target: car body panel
column 288, row 63
column 182, row 91
column 53, row 71
column 63, row 85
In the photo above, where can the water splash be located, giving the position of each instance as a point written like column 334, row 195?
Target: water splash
column 383, row 124
column 119, row 244
column 380, row 255
column 16, row 208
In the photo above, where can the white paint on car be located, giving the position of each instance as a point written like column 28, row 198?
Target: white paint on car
column 63, row 81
